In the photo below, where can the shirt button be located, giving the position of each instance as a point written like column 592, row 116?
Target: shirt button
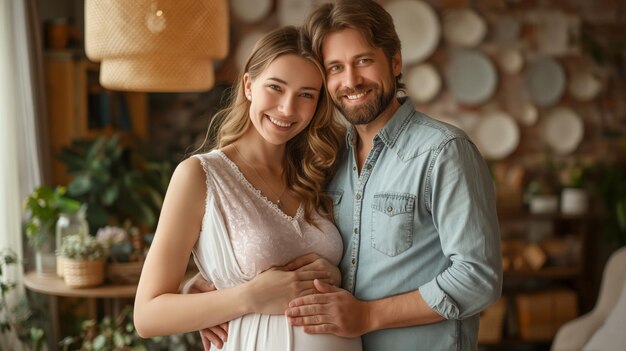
column 369, row 166
column 354, row 168
column 389, row 209
column 356, row 230
column 358, row 196
column 353, row 261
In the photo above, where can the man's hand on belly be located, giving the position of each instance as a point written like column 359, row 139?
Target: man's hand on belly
column 331, row 311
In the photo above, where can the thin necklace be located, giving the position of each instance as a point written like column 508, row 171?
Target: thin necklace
column 278, row 203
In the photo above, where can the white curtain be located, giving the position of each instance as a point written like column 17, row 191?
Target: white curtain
column 19, row 160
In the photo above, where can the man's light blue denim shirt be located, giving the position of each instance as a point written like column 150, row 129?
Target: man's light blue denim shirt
column 421, row 215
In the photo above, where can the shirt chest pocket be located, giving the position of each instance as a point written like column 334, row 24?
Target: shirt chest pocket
column 392, row 223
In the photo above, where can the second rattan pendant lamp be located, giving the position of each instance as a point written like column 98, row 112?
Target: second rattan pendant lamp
column 156, row 45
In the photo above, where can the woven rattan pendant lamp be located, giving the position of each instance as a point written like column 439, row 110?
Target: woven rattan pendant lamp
column 156, row 45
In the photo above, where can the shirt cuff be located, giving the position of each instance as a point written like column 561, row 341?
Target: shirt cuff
column 438, row 300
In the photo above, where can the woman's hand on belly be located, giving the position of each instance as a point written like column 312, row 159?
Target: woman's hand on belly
column 315, row 262
column 271, row 291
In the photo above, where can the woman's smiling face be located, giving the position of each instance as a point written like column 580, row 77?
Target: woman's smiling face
column 284, row 97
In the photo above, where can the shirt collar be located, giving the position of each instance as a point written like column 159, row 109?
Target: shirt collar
column 394, row 127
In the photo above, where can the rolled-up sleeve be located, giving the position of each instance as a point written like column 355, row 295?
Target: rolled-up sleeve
column 462, row 202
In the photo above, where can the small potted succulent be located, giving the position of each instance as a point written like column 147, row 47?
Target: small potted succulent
column 83, row 260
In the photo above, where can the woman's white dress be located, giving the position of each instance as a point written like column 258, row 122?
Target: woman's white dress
column 244, row 234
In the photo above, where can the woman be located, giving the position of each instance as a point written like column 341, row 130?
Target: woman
column 254, row 203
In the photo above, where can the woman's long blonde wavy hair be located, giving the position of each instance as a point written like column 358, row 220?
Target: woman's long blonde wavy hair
column 311, row 155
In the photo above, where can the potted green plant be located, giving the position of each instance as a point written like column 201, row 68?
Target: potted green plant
column 574, row 198
column 118, row 333
column 83, row 260
column 13, row 320
column 125, row 253
column 43, row 207
column 541, row 193
column 542, row 196
column 116, row 183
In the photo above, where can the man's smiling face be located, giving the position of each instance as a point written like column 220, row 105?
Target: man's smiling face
column 360, row 78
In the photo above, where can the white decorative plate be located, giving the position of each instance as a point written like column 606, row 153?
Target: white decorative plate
column 471, row 76
column 511, row 60
column 294, row 12
column 497, row 135
column 545, row 79
column 584, row 86
column 418, row 28
column 563, row 130
column 251, row 11
column 423, row 82
column 464, row 27
column 528, row 114
column 246, row 44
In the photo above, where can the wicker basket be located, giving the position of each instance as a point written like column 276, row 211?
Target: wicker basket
column 124, row 273
column 60, row 266
column 83, row 273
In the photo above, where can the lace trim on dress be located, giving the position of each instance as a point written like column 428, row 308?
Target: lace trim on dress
column 245, row 181
column 205, row 167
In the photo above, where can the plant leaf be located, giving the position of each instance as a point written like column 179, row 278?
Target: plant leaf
column 80, row 185
column 110, row 194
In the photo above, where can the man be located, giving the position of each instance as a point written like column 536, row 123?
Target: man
column 414, row 203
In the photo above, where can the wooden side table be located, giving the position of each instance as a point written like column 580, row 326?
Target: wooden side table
column 55, row 287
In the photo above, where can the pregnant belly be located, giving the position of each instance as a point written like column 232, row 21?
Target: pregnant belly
column 263, row 332
column 316, row 342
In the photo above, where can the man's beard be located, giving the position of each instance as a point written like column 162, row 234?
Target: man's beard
column 366, row 112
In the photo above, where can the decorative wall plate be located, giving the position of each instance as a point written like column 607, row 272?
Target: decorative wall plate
column 545, row 79
column 417, row 26
column 584, row 86
column 497, row 135
column 528, row 114
column 510, row 60
column 471, row 76
column 563, row 130
column 423, row 82
column 463, row 27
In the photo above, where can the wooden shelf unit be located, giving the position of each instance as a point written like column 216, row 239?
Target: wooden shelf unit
column 71, row 83
column 518, row 282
